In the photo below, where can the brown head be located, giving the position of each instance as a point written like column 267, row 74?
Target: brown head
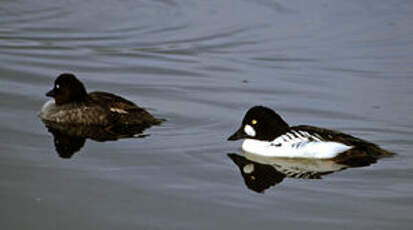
column 67, row 88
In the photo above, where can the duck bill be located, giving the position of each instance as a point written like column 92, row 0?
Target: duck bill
column 240, row 134
column 50, row 93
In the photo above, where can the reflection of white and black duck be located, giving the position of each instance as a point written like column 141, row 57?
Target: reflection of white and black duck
column 267, row 134
column 258, row 177
column 260, row 172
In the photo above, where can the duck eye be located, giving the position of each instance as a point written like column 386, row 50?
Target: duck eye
column 254, row 122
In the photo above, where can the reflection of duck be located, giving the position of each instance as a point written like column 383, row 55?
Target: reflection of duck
column 260, row 173
column 66, row 145
column 73, row 105
column 69, row 139
column 267, row 134
column 258, row 177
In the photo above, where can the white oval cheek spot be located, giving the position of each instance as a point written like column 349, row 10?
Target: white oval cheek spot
column 57, row 86
column 249, row 130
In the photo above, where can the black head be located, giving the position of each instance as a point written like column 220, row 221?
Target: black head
column 67, row 88
column 260, row 123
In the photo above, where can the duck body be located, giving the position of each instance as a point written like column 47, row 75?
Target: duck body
column 266, row 134
column 72, row 105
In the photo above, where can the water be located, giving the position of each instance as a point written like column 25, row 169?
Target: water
column 344, row 65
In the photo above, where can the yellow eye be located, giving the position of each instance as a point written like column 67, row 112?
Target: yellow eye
column 254, row 122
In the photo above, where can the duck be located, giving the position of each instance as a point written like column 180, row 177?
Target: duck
column 266, row 134
column 71, row 104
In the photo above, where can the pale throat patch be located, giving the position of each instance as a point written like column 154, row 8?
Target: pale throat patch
column 249, row 130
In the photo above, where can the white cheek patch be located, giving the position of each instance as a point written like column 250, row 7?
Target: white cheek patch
column 249, row 130
column 57, row 86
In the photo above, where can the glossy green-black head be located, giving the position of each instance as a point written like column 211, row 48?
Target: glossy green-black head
column 67, row 88
column 260, row 123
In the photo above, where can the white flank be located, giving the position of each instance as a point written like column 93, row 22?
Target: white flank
column 300, row 145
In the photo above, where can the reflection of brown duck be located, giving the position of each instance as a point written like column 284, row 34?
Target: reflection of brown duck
column 66, row 145
column 261, row 173
column 267, row 134
column 69, row 139
column 73, row 105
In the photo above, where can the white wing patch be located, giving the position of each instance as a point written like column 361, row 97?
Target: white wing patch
column 118, row 110
column 296, row 144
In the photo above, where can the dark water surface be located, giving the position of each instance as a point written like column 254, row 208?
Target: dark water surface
column 345, row 65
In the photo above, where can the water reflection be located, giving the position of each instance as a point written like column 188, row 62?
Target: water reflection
column 261, row 173
column 69, row 139
column 257, row 177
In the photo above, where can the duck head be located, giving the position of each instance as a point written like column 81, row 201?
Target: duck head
column 67, row 88
column 260, row 123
